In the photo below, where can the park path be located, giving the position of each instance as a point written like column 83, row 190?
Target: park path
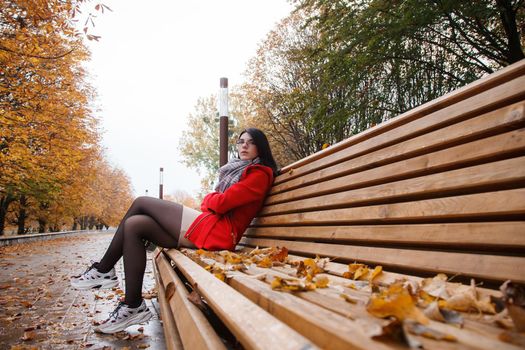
column 39, row 309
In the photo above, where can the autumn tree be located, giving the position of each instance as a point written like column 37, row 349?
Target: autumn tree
column 333, row 69
column 47, row 129
column 200, row 143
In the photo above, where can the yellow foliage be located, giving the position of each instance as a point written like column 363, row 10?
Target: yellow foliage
column 396, row 301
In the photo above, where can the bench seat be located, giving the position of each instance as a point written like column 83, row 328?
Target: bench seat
column 438, row 189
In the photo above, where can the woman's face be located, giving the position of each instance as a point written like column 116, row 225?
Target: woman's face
column 246, row 148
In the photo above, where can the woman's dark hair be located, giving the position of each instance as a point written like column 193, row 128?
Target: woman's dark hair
column 263, row 148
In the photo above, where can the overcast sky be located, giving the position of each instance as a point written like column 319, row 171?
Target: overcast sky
column 154, row 60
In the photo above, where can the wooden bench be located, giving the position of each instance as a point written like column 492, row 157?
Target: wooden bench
column 439, row 189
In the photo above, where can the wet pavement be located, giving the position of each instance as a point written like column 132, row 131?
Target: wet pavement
column 39, row 309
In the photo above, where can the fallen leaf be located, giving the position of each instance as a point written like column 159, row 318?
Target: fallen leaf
column 436, row 286
column 377, row 271
column 420, row 329
column 321, row 281
column 348, row 298
column 265, row 262
column 291, row 284
column 434, row 312
column 396, row 301
column 170, row 291
column 396, row 331
column 27, row 304
column 28, row 335
column 514, row 297
column 466, row 299
column 196, row 299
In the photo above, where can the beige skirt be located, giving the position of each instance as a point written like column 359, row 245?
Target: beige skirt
column 188, row 216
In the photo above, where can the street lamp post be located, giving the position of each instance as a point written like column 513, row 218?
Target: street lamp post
column 161, row 184
column 223, row 114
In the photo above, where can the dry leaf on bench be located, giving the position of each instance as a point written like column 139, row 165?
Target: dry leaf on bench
column 170, row 290
column 434, row 312
column 394, row 330
column 419, row 329
column 196, row 299
column 396, row 301
column 514, row 297
column 291, row 284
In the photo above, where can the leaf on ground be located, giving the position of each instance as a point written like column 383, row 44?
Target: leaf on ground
column 420, row 329
column 348, row 298
column 196, row 300
column 396, row 331
column 279, row 254
column 291, row 284
column 436, row 286
column 321, row 281
column 28, row 335
column 514, row 297
column 27, row 304
column 466, row 299
column 396, row 301
column 377, row 271
column 265, row 262
column 434, row 312
column 170, row 291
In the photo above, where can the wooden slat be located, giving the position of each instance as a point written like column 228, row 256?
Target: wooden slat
column 171, row 334
column 475, row 235
column 510, row 202
column 461, row 153
column 481, row 102
column 249, row 323
column 326, row 329
column 489, row 148
column 194, row 328
column 420, row 145
column 329, row 299
column 486, row 176
column 476, row 87
column 490, row 267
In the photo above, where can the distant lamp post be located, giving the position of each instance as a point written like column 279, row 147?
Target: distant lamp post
column 223, row 114
column 161, row 183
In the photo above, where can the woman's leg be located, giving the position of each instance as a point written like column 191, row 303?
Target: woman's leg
column 138, row 228
column 167, row 214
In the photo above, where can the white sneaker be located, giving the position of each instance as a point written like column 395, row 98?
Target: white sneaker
column 92, row 278
column 123, row 317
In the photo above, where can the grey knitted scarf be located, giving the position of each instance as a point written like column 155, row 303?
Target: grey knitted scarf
column 230, row 173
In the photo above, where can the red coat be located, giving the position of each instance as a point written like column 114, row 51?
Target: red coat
column 225, row 216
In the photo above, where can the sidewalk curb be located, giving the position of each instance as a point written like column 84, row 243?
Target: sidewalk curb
column 11, row 240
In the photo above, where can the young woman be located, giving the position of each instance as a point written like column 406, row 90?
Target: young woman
column 226, row 213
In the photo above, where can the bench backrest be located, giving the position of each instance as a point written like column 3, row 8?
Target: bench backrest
column 440, row 188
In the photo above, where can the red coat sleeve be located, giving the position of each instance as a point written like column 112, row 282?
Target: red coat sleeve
column 252, row 187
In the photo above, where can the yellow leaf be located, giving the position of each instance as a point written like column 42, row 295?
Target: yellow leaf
column 321, row 282
column 361, row 273
column 377, row 271
column 395, row 301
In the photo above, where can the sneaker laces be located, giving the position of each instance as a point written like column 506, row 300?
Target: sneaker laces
column 114, row 313
column 91, row 267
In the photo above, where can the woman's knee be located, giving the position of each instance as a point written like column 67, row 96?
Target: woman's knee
column 135, row 225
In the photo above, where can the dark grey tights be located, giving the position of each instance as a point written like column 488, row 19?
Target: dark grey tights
column 150, row 219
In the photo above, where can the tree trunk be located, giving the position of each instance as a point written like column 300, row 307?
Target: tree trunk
column 5, row 201
column 42, row 225
column 22, row 215
column 508, row 18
